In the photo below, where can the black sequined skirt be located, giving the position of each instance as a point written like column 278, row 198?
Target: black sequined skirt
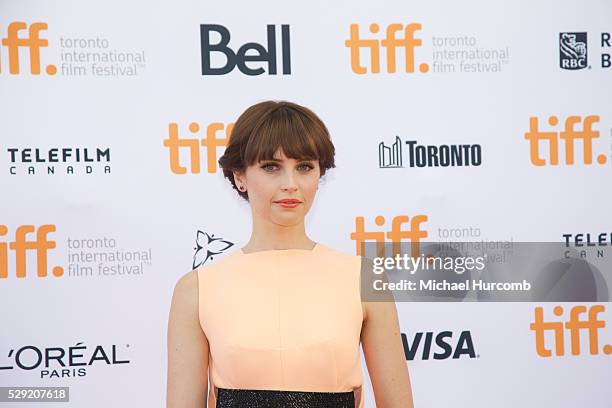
column 237, row 398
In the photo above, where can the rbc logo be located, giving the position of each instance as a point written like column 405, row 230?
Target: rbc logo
column 573, row 50
column 258, row 53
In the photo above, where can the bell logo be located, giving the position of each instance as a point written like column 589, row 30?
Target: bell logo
column 396, row 235
column 574, row 326
column 211, row 143
column 21, row 245
column 569, row 135
column 256, row 52
column 405, row 40
column 33, row 42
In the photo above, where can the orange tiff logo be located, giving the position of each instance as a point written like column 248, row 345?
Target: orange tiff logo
column 405, row 40
column 32, row 41
column 21, row 245
column 395, row 235
column 210, row 143
column 569, row 135
column 574, row 325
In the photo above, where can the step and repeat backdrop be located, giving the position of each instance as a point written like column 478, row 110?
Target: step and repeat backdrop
column 452, row 121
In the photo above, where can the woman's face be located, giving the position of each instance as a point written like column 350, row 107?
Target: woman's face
column 282, row 190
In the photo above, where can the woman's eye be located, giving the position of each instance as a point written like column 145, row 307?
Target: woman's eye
column 305, row 167
column 269, row 167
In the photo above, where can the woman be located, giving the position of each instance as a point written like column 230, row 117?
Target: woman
column 278, row 322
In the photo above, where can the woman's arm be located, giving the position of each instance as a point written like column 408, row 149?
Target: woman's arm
column 187, row 382
column 385, row 358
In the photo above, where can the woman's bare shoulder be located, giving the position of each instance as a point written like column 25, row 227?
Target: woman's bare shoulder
column 186, row 289
column 187, row 347
column 188, row 285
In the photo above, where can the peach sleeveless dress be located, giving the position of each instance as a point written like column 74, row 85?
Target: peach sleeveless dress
column 287, row 319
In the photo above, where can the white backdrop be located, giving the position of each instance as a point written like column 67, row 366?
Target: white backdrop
column 149, row 215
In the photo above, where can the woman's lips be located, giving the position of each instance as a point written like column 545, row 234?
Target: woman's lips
column 288, row 203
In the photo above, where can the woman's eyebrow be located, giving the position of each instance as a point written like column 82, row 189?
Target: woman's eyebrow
column 280, row 160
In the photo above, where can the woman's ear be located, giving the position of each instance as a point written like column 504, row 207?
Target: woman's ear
column 239, row 180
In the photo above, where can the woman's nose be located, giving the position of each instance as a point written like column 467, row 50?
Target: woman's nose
column 289, row 183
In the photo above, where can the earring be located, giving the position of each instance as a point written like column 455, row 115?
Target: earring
column 241, row 188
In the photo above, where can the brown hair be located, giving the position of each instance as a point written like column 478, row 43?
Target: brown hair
column 267, row 126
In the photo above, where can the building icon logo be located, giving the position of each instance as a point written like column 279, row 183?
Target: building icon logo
column 390, row 156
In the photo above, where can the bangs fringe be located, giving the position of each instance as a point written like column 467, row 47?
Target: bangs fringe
column 286, row 129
